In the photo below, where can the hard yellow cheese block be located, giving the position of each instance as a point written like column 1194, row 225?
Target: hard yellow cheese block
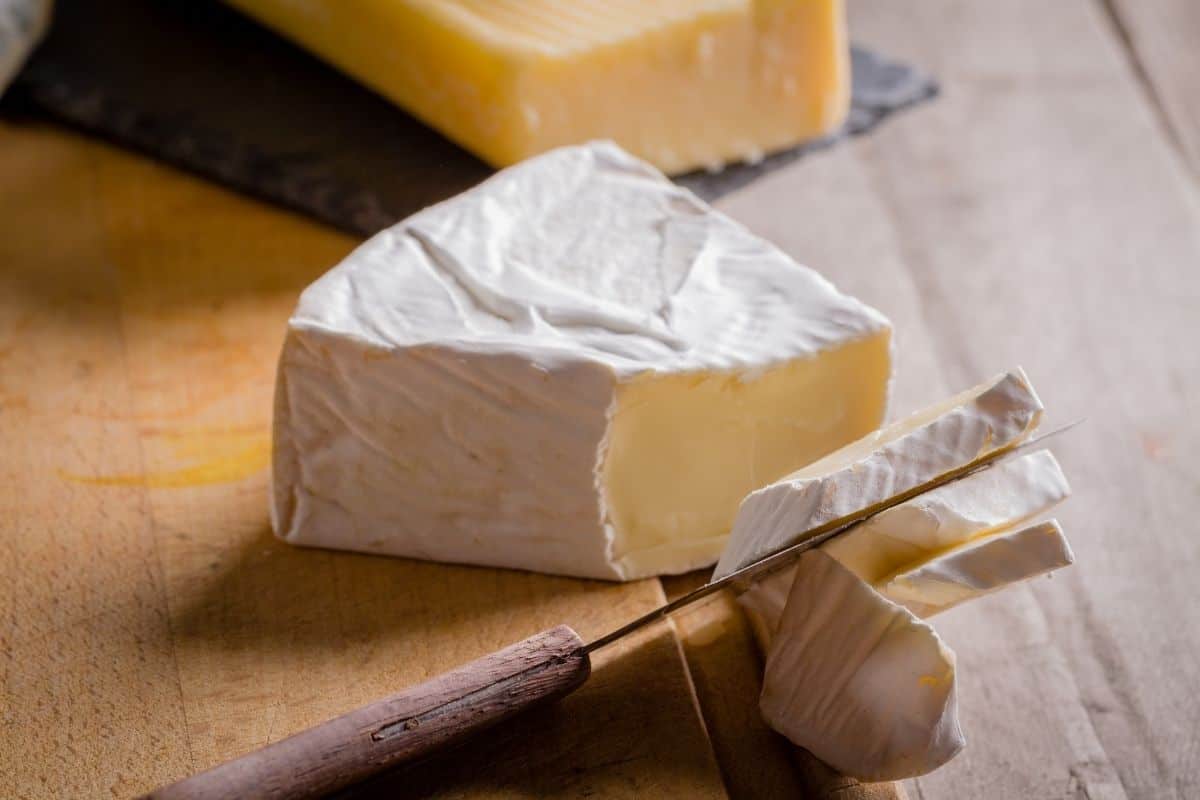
column 681, row 83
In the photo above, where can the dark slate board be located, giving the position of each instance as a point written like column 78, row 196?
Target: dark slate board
column 200, row 86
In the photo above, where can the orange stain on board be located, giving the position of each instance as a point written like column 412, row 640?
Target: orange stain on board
column 210, row 455
column 1156, row 448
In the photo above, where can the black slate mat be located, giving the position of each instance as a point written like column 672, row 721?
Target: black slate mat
column 200, row 86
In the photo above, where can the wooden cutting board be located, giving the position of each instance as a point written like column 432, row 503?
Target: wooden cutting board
column 1038, row 213
column 159, row 624
column 157, row 627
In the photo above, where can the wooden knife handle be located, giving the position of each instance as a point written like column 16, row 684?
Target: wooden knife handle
column 402, row 728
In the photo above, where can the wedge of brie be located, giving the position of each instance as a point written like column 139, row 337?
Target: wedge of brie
column 901, row 458
column 858, row 680
column 978, row 568
column 909, row 534
column 576, row 367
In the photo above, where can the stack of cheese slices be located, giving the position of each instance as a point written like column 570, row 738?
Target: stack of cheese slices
column 854, row 673
column 579, row 368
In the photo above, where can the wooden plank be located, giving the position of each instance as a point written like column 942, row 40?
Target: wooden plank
column 1035, row 214
column 1163, row 38
column 726, row 671
column 405, row 728
column 162, row 628
column 89, row 694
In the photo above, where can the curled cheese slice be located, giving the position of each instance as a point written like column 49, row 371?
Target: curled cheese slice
column 978, row 568
column 858, row 680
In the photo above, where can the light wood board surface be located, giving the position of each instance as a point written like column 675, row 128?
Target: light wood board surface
column 1039, row 213
column 1163, row 42
column 153, row 626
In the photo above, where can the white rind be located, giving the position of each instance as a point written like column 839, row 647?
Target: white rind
column 979, row 568
column 998, row 497
column 898, row 458
column 23, row 23
column 585, row 254
column 444, row 393
column 859, row 681
column 488, row 482
column 993, row 499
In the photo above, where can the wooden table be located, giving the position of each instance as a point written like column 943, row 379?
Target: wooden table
column 1043, row 212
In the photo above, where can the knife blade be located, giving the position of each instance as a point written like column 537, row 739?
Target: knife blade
column 416, row 723
column 807, row 540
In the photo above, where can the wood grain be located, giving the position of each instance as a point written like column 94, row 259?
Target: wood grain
column 593, row 743
column 1036, row 215
column 1163, row 39
column 727, row 671
column 411, row 725
column 727, row 674
column 157, row 627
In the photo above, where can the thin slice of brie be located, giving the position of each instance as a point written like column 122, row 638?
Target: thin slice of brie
column 576, row 367
column 898, row 459
column 904, row 536
column 978, row 568
column 858, row 680
column 984, row 502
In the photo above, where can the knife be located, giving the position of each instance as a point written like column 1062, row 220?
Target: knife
column 420, row 721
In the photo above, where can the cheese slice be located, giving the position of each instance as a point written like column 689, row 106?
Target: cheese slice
column 859, row 681
column 681, row 83
column 23, row 23
column 902, row 458
column 946, row 517
column 978, row 568
column 997, row 498
column 576, row 367
column 852, row 674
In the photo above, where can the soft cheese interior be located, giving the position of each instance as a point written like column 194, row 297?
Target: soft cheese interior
column 900, row 459
column 576, row 367
column 683, row 450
